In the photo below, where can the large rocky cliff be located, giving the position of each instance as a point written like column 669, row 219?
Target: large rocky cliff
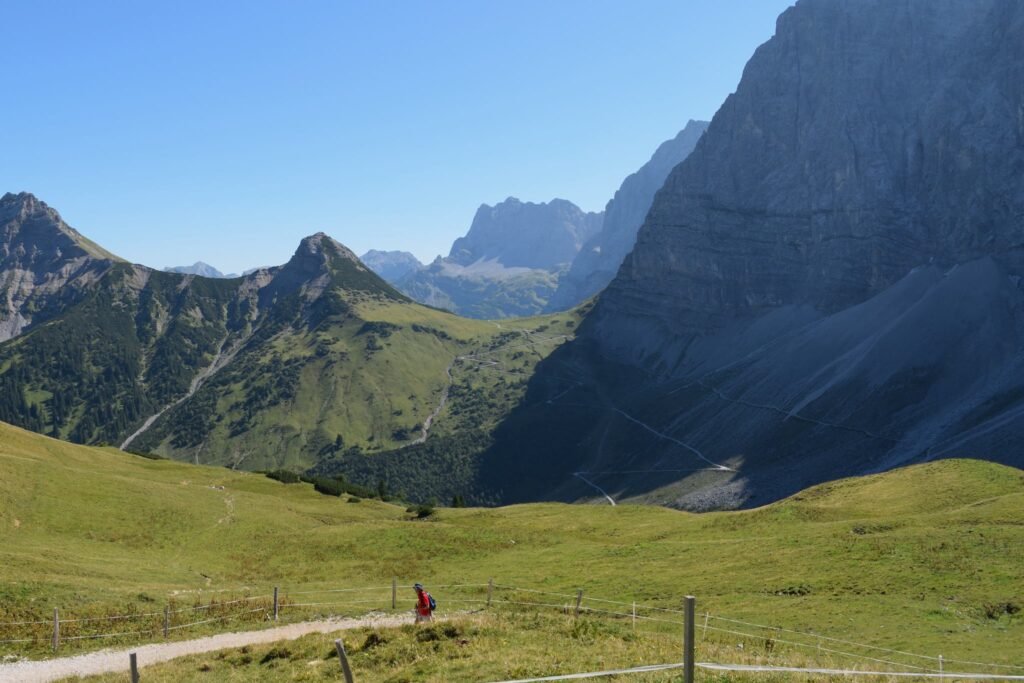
column 865, row 139
column 830, row 284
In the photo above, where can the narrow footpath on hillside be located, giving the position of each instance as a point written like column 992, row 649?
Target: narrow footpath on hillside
column 116, row 660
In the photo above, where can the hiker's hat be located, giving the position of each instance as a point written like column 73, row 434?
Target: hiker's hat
column 418, row 586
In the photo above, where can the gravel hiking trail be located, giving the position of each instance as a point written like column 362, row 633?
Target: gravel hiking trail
column 113, row 661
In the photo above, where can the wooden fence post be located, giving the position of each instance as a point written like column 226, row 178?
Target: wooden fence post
column 688, row 649
column 345, row 669
column 579, row 600
column 134, row 664
column 167, row 620
column 490, row 590
column 634, row 615
column 704, row 636
column 56, row 629
column 941, row 675
column 394, row 592
column 275, row 603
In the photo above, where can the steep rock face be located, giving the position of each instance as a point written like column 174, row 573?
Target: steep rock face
column 831, row 283
column 44, row 263
column 391, row 265
column 527, row 235
column 864, row 139
column 599, row 259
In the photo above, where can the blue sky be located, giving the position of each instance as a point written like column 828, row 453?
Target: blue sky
column 226, row 131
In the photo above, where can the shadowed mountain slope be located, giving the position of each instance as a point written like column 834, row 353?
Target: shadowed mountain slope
column 830, row 284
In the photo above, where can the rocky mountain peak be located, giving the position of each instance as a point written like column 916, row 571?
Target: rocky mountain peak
column 31, row 229
column 524, row 234
column 320, row 262
column 325, row 247
column 44, row 262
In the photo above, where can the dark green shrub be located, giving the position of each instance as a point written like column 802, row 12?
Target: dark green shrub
column 328, row 487
column 284, row 476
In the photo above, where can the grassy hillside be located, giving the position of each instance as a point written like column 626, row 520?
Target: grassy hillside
column 925, row 558
column 367, row 380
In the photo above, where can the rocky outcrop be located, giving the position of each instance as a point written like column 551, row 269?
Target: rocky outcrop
column 44, row 263
column 391, row 265
column 600, row 257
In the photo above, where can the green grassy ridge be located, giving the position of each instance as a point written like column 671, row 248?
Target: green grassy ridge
column 88, row 530
column 357, row 360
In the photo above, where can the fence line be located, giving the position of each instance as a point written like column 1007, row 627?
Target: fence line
column 820, row 637
column 565, row 607
column 857, row 672
column 822, row 649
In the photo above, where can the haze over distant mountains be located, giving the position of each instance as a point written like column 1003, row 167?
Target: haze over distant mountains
column 391, row 265
column 521, row 258
column 199, row 268
column 508, row 263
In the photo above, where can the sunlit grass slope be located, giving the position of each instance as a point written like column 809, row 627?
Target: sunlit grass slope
column 921, row 558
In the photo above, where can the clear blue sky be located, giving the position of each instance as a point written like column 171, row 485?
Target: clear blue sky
column 226, row 131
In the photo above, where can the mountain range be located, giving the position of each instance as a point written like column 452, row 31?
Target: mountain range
column 275, row 369
column 828, row 284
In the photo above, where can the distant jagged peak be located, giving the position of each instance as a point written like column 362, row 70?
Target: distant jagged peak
column 391, row 265
column 534, row 235
column 27, row 222
column 198, row 268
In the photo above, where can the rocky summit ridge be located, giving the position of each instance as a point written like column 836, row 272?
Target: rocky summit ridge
column 44, row 263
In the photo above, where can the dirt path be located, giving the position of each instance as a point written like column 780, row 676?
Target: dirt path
column 112, row 661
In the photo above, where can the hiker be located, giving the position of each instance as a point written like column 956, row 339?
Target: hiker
column 425, row 604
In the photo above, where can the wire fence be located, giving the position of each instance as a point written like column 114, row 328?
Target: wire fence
column 750, row 646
